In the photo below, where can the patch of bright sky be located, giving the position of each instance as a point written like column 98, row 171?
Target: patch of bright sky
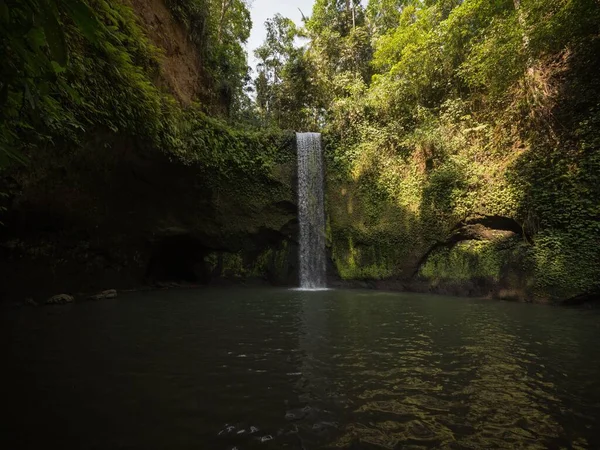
column 262, row 10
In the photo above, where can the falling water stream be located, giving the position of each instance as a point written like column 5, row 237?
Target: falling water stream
column 311, row 211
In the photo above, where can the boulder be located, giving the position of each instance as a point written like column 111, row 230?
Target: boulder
column 110, row 293
column 60, row 299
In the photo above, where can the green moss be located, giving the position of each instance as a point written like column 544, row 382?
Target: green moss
column 566, row 263
column 272, row 263
column 503, row 265
column 376, row 260
column 232, row 265
column 281, row 262
column 465, row 261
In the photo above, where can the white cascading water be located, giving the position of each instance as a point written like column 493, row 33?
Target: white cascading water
column 311, row 211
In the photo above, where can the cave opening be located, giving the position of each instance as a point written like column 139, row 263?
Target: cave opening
column 178, row 259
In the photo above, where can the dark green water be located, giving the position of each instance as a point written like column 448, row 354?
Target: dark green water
column 340, row 369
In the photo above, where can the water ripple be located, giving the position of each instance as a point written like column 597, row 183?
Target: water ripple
column 254, row 369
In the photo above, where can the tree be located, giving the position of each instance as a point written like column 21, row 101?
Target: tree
column 230, row 26
column 276, row 51
column 340, row 47
column 384, row 15
column 284, row 88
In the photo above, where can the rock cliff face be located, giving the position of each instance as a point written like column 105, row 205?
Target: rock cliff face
column 129, row 216
column 181, row 71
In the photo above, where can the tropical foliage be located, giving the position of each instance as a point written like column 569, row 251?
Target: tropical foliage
column 440, row 110
column 435, row 112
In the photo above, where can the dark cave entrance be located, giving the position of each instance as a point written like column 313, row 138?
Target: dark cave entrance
column 178, row 258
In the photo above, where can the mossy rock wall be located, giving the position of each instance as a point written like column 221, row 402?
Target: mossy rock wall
column 421, row 149
column 122, row 215
column 387, row 211
column 276, row 265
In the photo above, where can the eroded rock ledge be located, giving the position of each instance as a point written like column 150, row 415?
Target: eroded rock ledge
column 476, row 228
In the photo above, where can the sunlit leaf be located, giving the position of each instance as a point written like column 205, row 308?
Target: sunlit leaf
column 57, row 67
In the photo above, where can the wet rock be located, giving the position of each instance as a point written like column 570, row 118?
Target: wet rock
column 60, row 299
column 322, row 428
column 109, row 293
column 299, row 413
column 238, row 430
column 292, row 430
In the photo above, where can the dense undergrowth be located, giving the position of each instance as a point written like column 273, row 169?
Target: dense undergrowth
column 476, row 114
column 439, row 111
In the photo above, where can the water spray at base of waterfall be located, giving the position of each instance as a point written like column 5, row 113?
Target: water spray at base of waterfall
column 311, row 289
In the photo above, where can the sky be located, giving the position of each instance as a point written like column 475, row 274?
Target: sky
column 261, row 10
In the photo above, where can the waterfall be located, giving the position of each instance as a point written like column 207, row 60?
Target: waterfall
column 311, row 211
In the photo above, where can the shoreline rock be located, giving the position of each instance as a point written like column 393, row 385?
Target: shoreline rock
column 60, row 299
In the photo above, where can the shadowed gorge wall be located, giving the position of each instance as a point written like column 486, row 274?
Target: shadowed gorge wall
column 129, row 182
column 128, row 216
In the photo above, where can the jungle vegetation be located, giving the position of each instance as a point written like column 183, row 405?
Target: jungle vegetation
column 436, row 109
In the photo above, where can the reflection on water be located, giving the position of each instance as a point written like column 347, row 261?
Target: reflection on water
column 273, row 369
